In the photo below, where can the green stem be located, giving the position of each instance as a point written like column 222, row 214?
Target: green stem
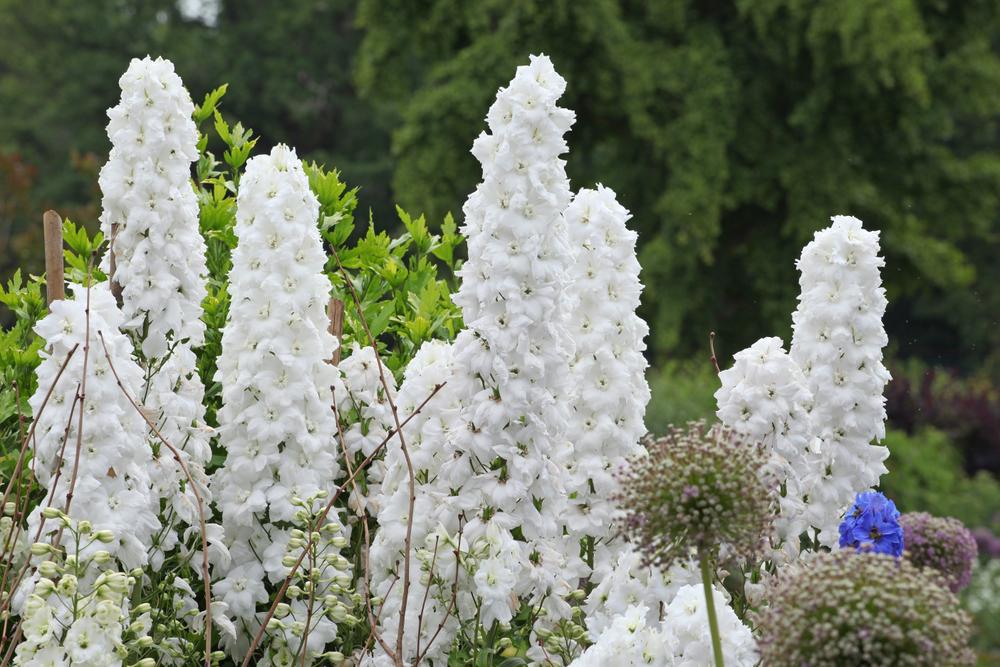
column 713, row 623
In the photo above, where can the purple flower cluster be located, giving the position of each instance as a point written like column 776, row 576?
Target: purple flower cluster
column 942, row 544
column 872, row 524
column 989, row 544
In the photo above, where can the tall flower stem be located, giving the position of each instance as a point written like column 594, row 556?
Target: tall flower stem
column 713, row 622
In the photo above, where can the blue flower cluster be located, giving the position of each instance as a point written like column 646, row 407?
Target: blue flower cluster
column 872, row 524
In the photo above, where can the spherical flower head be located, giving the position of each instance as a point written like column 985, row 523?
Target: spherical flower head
column 942, row 544
column 700, row 488
column 846, row 608
column 872, row 524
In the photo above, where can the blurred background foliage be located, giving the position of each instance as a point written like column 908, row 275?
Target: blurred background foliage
column 732, row 130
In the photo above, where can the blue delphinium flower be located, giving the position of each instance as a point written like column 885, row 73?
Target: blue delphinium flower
column 872, row 524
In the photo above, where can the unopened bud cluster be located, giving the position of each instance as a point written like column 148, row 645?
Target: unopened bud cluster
column 77, row 610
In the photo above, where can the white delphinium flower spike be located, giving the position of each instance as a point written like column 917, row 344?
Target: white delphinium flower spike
column 764, row 396
column 489, row 460
column 276, row 422
column 430, row 436
column 112, row 489
column 608, row 367
column 151, row 218
column 837, row 342
column 515, row 353
column 150, row 208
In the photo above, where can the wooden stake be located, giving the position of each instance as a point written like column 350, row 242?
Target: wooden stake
column 335, row 311
column 116, row 288
column 55, row 277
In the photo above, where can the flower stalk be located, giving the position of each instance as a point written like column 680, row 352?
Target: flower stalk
column 713, row 621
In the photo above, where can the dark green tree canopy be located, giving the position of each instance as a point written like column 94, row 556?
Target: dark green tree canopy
column 732, row 131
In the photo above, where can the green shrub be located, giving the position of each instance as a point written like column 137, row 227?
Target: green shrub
column 681, row 392
column 925, row 474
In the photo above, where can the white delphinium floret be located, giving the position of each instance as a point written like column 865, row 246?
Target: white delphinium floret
column 837, row 342
column 764, row 396
column 630, row 640
column 623, row 581
column 112, row 487
column 685, row 627
column 608, row 367
column 276, row 422
column 150, row 214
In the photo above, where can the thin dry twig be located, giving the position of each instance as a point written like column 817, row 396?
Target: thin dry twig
column 366, row 570
column 411, row 477
column 279, row 596
column 82, row 395
column 711, row 346
column 194, row 489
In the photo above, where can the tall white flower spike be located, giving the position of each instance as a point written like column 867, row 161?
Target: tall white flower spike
column 151, row 216
column 837, row 342
column 764, row 395
column 491, row 464
column 608, row 368
column 112, row 464
column 276, row 422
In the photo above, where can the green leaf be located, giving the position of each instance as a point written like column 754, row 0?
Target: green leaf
column 207, row 107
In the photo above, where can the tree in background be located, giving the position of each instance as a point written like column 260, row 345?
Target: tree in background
column 731, row 129
column 288, row 65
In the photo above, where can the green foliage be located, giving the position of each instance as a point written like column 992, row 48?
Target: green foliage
column 982, row 599
column 81, row 254
column 19, row 348
column 925, row 474
column 397, row 282
column 681, row 392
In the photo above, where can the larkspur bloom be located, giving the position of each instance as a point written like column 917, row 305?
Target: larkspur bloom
column 276, row 421
column 681, row 639
column 429, row 435
column 764, row 396
column 625, row 582
column 497, row 453
column 150, row 213
column 514, row 355
column 686, row 626
column 872, row 524
column 837, row 342
column 608, row 366
column 150, row 208
column 845, row 608
column 112, row 487
column 630, row 640
column 943, row 544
